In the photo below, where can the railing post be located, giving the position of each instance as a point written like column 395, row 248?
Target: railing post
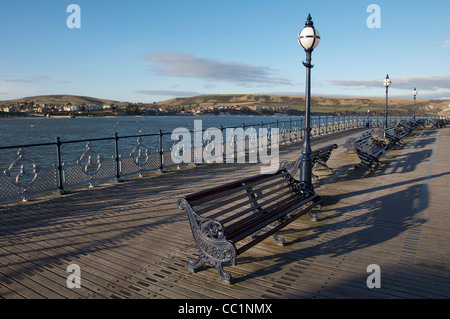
column 117, row 156
column 60, row 190
column 161, row 153
column 290, row 130
column 301, row 129
column 276, row 121
column 260, row 132
column 317, row 125
column 245, row 142
column 224, row 145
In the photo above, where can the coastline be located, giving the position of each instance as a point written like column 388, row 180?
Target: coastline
column 145, row 115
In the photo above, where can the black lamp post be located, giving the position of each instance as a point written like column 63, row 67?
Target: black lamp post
column 386, row 83
column 414, row 108
column 308, row 38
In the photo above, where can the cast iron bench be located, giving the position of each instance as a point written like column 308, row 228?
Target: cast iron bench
column 439, row 124
column 369, row 149
column 408, row 127
column 393, row 135
column 319, row 156
column 229, row 219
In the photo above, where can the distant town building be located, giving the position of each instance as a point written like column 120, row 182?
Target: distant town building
column 9, row 109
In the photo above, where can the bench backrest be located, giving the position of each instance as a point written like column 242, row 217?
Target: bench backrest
column 323, row 153
column 243, row 199
column 365, row 140
column 368, row 144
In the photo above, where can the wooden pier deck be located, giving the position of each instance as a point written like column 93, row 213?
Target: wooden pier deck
column 131, row 241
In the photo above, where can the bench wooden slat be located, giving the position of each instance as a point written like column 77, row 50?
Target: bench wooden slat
column 256, row 207
column 219, row 191
column 315, row 202
column 241, row 194
column 269, row 217
column 368, row 149
column 393, row 134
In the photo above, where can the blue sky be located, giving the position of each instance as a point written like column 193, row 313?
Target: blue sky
column 146, row 51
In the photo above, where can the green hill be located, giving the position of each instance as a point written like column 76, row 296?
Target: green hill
column 320, row 105
column 63, row 99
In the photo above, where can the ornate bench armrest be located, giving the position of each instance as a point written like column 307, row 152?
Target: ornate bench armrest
column 209, row 234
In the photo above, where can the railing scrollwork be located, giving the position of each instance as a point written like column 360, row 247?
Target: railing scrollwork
column 22, row 172
column 90, row 162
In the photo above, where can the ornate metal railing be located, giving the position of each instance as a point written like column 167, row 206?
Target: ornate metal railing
column 98, row 160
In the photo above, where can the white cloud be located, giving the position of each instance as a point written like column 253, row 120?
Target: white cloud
column 27, row 79
column 209, row 86
column 430, row 83
column 185, row 65
column 14, row 87
column 446, row 44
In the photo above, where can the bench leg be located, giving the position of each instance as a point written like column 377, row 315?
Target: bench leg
column 278, row 239
column 202, row 259
column 194, row 264
column 226, row 277
column 324, row 164
column 312, row 216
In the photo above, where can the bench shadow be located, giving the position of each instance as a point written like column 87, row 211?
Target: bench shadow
column 358, row 225
column 348, row 229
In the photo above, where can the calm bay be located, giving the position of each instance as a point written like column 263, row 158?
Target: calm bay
column 34, row 130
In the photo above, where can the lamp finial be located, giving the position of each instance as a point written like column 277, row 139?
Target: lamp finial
column 309, row 21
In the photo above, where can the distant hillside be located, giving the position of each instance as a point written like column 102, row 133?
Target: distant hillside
column 63, row 99
column 320, row 105
column 279, row 103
